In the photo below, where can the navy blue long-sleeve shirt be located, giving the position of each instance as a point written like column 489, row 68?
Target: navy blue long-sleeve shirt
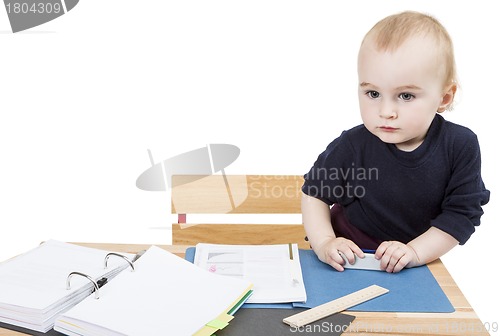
column 395, row 195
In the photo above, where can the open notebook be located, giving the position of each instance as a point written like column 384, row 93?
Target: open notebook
column 166, row 295
column 33, row 285
column 164, row 292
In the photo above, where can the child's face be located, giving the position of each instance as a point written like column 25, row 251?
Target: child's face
column 401, row 91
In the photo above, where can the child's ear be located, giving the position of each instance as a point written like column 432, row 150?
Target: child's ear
column 447, row 97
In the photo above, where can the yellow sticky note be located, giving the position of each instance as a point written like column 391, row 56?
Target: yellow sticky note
column 224, row 317
column 217, row 324
column 205, row 331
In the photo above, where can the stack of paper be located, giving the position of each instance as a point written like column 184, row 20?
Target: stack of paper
column 33, row 285
column 274, row 270
column 166, row 295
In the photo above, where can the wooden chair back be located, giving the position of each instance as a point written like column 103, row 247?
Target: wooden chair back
column 236, row 194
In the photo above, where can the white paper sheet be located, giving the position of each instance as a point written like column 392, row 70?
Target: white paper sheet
column 166, row 295
column 276, row 275
column 33, row 285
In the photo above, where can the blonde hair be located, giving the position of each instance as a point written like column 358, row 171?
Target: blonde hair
column 390, row 33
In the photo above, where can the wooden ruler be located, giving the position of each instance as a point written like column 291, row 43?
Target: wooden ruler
column 334, row 306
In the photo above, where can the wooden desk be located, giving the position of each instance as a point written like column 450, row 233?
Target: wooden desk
column 463, row 321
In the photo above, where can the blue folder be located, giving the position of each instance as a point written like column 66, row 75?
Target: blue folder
column 411, row 290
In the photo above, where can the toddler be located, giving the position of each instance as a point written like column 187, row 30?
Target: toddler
column 406, row 183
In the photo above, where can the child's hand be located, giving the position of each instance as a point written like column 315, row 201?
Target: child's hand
column 328, row 252
column 394, row 256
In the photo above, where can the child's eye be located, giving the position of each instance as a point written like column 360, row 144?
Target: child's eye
column 373, row 94
column 406, row 96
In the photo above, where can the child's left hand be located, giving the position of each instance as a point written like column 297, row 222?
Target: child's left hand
column 394, row 256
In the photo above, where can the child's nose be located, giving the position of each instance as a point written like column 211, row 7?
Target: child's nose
column 387, row 110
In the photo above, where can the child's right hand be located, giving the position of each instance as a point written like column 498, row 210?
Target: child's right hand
column 328, row 252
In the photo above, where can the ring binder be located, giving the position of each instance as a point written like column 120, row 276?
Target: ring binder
column 96, row 286
column 118, row 255
column 24, row 305
column 137, row 304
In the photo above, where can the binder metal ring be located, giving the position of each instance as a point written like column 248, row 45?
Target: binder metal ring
column 118, row 255
column 96, row 286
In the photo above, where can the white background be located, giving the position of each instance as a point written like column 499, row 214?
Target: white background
column 83, row 97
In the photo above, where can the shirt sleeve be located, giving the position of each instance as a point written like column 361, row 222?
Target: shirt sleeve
column 465, row 193
column 326, row 180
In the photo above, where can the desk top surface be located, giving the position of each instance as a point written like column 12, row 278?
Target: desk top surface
column 463, row 321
